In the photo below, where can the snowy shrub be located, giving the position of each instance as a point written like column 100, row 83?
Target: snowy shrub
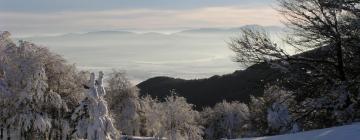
column 225, row 120
column 151, row 117
column 271, row 114
column 180, row 120
column 339, row 106
column 173, row 119
column 123, row 102
column 278, row 116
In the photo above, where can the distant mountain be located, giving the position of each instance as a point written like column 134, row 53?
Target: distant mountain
column 237, row 86
column 72, row 35
column 204, row 30
column 153, row 33
column 210, row 31
column 95, row 34
column 108, row 33
column 230, row 30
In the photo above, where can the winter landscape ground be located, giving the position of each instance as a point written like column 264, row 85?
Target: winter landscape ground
column 346, row 132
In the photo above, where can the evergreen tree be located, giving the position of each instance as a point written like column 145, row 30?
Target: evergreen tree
column 92, row 116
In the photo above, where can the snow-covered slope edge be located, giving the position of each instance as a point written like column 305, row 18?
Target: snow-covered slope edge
column 346, row 132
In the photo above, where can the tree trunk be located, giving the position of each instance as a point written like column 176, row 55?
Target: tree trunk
column 50, row 133
column 60, row 124
column 57, row 136
column 21, row 134
column 1, row 132
column 340, row 60
column 8, row 134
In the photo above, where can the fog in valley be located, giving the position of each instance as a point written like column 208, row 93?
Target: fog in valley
column 188, row 54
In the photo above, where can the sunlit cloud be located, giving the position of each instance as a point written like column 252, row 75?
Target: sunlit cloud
column 80, row 21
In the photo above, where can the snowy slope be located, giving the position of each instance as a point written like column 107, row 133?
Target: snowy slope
column 139, row 138
column 347, row 132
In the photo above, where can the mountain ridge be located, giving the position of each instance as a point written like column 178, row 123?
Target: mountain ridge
column 129, row 32
column 237, row 86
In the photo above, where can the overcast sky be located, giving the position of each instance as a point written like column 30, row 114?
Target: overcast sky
column 38, row 17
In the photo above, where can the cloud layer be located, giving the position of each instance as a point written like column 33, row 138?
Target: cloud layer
column 37, row 23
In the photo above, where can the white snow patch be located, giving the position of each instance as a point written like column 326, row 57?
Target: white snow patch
column 346, row 132
column 140, row 138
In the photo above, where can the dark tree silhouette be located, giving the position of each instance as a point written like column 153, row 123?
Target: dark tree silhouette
column 321, row 55
column 330, row 25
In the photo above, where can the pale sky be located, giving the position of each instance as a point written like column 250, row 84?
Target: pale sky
column 39, row 17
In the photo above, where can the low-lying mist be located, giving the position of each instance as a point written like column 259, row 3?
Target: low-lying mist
column 188, row 54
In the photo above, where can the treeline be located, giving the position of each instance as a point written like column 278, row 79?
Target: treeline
column 175, row 119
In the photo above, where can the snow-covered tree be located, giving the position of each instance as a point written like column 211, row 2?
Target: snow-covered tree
column 123, row 102
column 151, row 117
column 278, row 116
column 339, row 106
column 271, row 113
column 4, row 91
column 180, row 120
column 37, row 90
column 91, row 116
column 173, row 119
column 321, row 55
column 225, row 120
column 24, row 88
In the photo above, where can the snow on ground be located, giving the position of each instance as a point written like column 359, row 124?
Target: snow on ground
column 139, row 138
column 347, row 132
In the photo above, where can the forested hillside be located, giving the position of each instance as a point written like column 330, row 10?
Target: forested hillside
column 238, row 86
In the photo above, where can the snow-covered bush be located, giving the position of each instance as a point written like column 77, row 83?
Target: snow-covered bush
column 278, row 116
column 151, row 117
column 225, row 120
column 123, row 102
column 271, row 114
column 180, row 120
column 173, row 119
column 339, row 106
